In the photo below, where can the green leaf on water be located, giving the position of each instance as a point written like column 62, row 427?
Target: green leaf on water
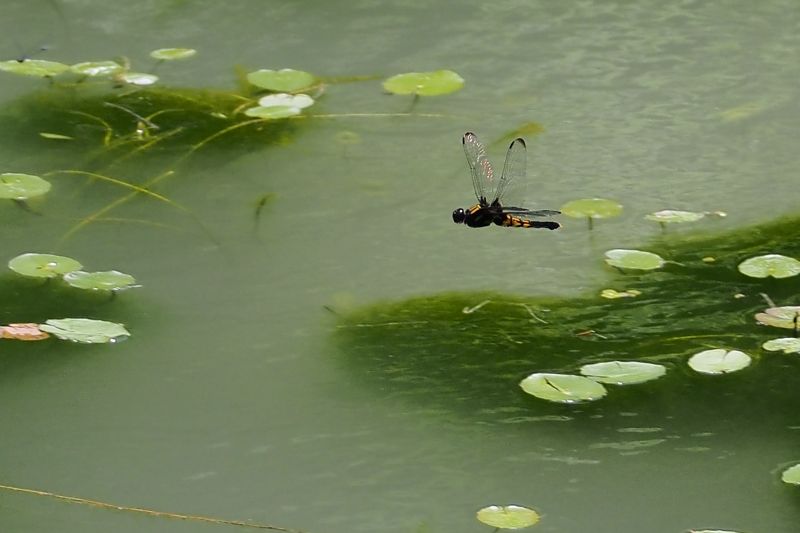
column 612, row 294
column 97, row 68
column 170, row 54
column 137, row 78
column 424, row 83
column 34, row 67
column 669, row 216
column 634, row 259
column 719, row 361
column 562, row 388
column 623, row 372
column 286, row 80
column 14, row 186
column 85, row 330
column 507, row 516
column 100, row 281
column 43, row 265
column 780, row 317
column 775, row 265
column 591, row 208
column 57, row 136
column 791, row 475
column 273, row 112
column 784, row 344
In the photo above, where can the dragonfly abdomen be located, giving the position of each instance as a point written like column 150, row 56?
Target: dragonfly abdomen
column 518, row 222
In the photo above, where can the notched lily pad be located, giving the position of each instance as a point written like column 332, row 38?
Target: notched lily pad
column 111, row 280
column 719, row 361
column 86, row 330
column 784, row 344
column 791, row 475
column 137, row 78
column 787, row 317
column 775, row 265
column 562, row 388
column 170, row 54
column 43, row 265
column 634, row 259
column 280, row 105
column 286, row 80
column 592, row 208
column 623, row 372
column 39, row 68
column 672, row 216
column 424, row 83
column 612, row 294
column 507, row 516
column 97, row 68
column 14, row 186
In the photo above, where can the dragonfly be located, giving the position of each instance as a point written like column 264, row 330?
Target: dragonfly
column 486, row 211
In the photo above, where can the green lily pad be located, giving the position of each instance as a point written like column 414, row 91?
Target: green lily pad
column 791, row 475
column 424, row 83
column 592, row 208
column 14, row 186
column 34, row 67
column 719, row 361
column 612, row 294
column 286, row 80
column 138, row 78
column 273, row 112
column 170, row 54
column 623, row 372
column 57, row 136
column 562, row 388
column 786, row 317
column 100, row 281
column 785, row 345
column 775, row 265
column 634, row 259
column 300, row 101
column 669, row 216
column 85, row 330
column 507, row 516
column 97, row 68
column 43, row 265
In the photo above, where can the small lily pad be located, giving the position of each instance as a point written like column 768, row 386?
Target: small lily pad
column 507, row 516
column 562, row 388
column 671, row 216
column 273, row 112
column 634, row 259
column 39, row 68
column 791, row 475
column 786, row 317
column 97, row 68
column 286, row 80
column 719, row 361
column 100, row 281
column 86, row 330
column 170, row 54
column 137, row 78
column 611, row 294
column 56, row 136
column 23, row 332
column 424, row 83
column 785, row 345
column 14, row 186
column 775, row 265
column 592, row 208
column 43, row 265
column 623, row 372
column 300, row 101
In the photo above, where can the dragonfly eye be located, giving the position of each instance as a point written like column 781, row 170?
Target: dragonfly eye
column 459, row 216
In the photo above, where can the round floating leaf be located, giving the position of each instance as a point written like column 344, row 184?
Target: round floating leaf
column 791, row 475
column 100, row 281
column 592, row 208
column 15, row 186
column 300, row 101
column 286, row 80
column 23, row 332
column 719, row 361
column 424, row 83
column 562, row 388
column 169, row 54
column 623, row 372
column 85, row 330
column 34, row 67
column 137, row 78
column 611, row 294
column 273, row 112
column 668, row 216
column 43, row 265
column 508, row 516
column 787, row 317
column 775, row 265
column 634, row 259
column 97, row 68
column 785, row 345
column 57, row 136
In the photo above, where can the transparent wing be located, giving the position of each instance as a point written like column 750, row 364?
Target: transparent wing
column 518, row 211
column 483, row 178
column 513, row 169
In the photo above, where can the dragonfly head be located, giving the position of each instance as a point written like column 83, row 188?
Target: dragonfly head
column 459, row 216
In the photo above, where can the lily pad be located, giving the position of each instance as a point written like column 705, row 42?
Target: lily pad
column 97, row 68
column 137, row 78
column 623, row 372
column 634, row 259
column 775, row 265
column 286, row 80
column 719, row 361
column 86, row 330
column 23, row 332
column 424, row 83
column 611, row 294
column 100, row 281
column 170, row 54
column 786, row 317
column 39, row 68
column 273, row 112
column 791, row 475
column 43, row 265
column 300, row 101
column 14, row 186
column 785, row 345
column 562, row 388
column 56, row 136
column 507, row 516
column 592, row 208
column 670, row 216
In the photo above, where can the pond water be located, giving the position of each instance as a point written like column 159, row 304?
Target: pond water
column 233, row 398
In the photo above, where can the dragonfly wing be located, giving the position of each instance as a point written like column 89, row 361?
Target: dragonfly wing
column 483, row 178
column 513, row 169
column 530, row 212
